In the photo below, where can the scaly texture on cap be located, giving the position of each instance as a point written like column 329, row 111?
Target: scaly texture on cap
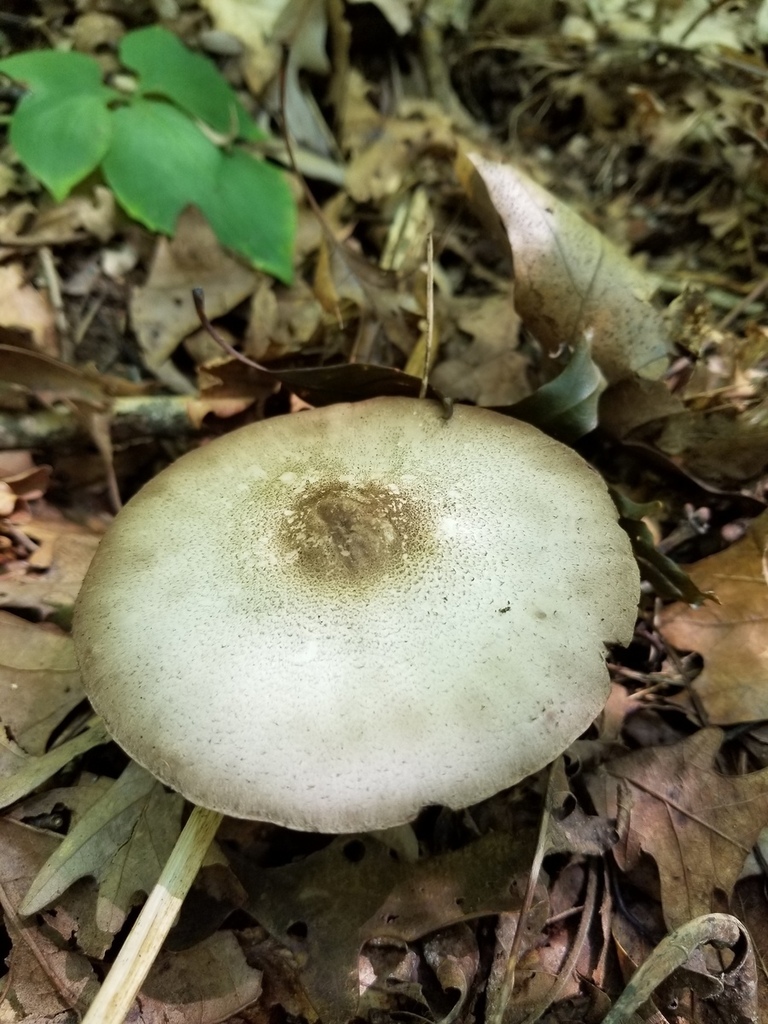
column 331, row 619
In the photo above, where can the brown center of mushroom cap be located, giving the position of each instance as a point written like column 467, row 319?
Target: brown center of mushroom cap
column 338, row 531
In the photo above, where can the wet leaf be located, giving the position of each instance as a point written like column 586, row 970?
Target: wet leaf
column 730, row 635
column 697, row 824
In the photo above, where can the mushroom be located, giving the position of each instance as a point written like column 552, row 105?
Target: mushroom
column 331, row 619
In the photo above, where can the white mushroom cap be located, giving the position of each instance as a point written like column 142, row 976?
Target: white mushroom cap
column 331, row 619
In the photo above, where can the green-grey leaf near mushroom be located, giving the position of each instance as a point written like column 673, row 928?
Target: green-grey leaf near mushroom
column 331, row 619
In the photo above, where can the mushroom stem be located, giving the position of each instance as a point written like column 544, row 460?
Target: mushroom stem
column 115, row 997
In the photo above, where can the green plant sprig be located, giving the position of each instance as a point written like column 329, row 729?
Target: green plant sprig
column 174, row 141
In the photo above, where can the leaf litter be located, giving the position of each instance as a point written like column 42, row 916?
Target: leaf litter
column 610, row 274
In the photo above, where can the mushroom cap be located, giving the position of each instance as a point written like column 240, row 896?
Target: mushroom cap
column 331, row 619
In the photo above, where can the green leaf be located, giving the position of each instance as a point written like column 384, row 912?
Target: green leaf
column 666, row 577
column 252, row 211
column 167, row 68
column 158, row 163
column 54, row 73
column 61, row 139
column 566, row 407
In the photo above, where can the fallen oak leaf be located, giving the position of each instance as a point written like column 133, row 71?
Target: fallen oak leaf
column 697, row 824
column 325, row 907
column 48, row 581
column 123, row 841
column 208, row 984
column 730, row 635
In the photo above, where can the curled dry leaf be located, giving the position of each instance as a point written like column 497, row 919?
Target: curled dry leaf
column 61, row 975
column 570, row 281
column 735, row 987
column 730, row 634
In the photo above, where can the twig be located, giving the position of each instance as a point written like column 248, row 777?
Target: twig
column 164, row 416
column 430, row 316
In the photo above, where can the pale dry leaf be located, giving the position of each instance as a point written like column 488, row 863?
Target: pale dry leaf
column 489, row 370
column 24, row 307
column 454, row 956
column 23, row 773
column 697, row 824
column 571, row 282
column 253, row 22
column 61, row 223
column 730, row 634
column 206, row 984
column 31, row 997
column 162, row 311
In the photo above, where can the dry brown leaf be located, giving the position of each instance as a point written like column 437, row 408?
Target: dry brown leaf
column 454, row 956
column 697, row 825
column 731, row 635
column 489, row 370
column 570, row 281
column 208, row 983
column 162, row 311
column 723, row 448
column 382, row 167
column 23, row 307
column 71, row 981
column 282, row 320
column 49, row 581
column 60, row 223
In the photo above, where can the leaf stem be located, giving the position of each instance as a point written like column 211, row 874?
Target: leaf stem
column 125, row 978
